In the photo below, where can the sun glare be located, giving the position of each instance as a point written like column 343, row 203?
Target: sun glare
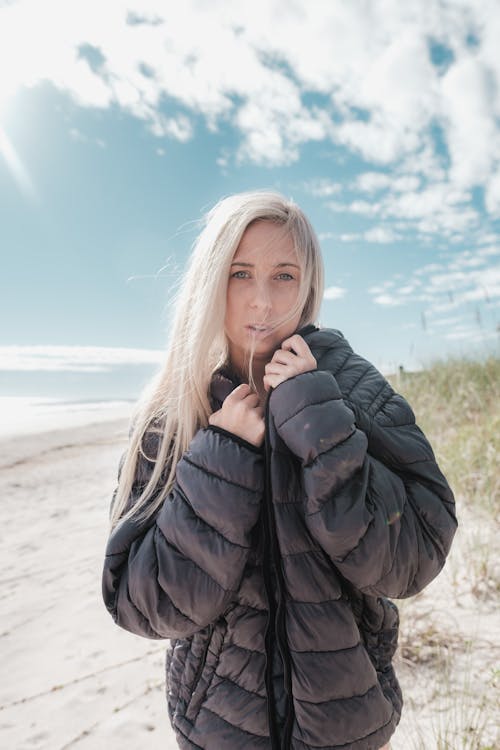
column 4, row 102
column 9, row 155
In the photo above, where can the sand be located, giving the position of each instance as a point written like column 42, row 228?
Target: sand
column 72, row 678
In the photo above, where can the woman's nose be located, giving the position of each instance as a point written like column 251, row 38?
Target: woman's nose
column 261, row 297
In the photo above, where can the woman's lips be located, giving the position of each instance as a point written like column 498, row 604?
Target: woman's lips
column 259, row 333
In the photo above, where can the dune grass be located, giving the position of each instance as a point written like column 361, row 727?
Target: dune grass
column 457, row 405
column 448, row 651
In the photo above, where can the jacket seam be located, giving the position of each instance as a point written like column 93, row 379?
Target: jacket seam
column 409, row 463
column 234, row 726
column 338, row 489
column 385, row 401
column 236, row 438
column 209, row 525
column 183, row 614
column 176, row 728
column 351, row 389
column 323, row 601
column 334, row 747
column 341, row 367
column 385, row 575
column 388, row 573
column 300, row 552
column 327, row 651
column 330, row 449
column 174, row 547
column 249, row 606
column 313, row 403
column 233, row 682
column 244, row 648
column 381, row 390
column 222, row 479
column 146, row 619
column 333, row 700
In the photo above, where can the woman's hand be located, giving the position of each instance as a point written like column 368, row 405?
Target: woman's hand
column 241, row 414
column 286, row 363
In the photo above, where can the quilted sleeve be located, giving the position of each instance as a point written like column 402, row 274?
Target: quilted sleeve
column 179, row 572
column 387, row 521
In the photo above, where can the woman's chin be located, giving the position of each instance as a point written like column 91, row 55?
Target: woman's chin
column 261, row 343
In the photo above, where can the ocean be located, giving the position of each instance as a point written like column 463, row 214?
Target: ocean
column 23, row 415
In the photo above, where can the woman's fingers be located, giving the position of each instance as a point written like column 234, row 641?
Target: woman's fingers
column 303, row 359
column 272, row 381
column 244, row 393
column 241, row 414
column 240, row 392
column 252, row 399
column 274, row 368
column 298, row 345
column 284, row 357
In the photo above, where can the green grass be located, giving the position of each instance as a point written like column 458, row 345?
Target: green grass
column 457, row 405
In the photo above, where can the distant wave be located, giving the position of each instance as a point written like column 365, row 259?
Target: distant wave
column 21, row 415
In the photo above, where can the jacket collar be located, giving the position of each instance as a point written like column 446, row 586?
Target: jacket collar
column 225, row 379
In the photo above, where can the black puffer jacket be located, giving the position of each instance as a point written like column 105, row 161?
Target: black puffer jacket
column 269, row 570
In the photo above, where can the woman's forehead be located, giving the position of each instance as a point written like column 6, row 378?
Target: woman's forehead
column 263, row 239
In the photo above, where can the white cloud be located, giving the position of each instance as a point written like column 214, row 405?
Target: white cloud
column 492, row 194
column 388, row 300
column 486, row 252
column 444, row 286
column 371, row 182
column 334, row 292
column 381, row 235
column 363, row 208
column 436, row 208
column 472, row 133
column 379, row 288
column 322, row 187
column 470, row 333
column 74, row 358
column 447, row 321
column 179, row 127
column 252, row 66
column 428, row 269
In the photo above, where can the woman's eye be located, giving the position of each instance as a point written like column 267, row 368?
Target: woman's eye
column 244, row 275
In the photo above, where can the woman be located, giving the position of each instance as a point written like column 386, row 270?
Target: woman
column 275, row 493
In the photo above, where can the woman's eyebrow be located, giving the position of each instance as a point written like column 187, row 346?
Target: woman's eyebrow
column 251, row 265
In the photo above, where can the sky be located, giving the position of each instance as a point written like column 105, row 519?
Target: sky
column 122, row 123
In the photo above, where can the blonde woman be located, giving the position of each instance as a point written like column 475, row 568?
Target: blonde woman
column 275, row 494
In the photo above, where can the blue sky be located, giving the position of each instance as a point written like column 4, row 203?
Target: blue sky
column 121, row 123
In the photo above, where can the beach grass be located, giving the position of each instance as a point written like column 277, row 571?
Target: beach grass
column 448, row 659
column 456, row 403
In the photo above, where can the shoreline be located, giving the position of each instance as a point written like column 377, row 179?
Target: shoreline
column 24, row 447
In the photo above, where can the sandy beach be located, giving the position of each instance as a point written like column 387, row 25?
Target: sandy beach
column 72, row 678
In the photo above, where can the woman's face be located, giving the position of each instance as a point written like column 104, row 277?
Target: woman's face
column 263, row 285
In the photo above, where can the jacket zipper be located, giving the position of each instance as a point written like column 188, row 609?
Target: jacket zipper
column 276, row 614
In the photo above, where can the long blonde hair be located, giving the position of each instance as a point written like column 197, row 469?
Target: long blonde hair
column 175, row 403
